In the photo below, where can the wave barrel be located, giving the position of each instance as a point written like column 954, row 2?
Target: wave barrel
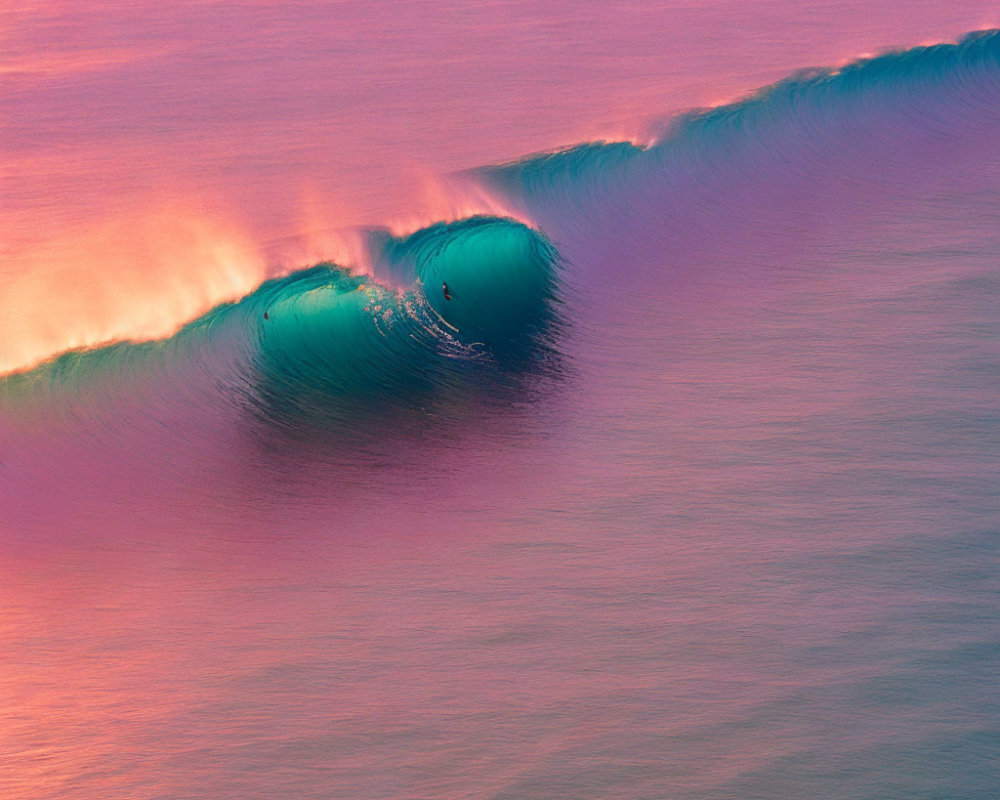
column 491, row 280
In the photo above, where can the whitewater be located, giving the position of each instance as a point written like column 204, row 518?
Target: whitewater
column 670, row 472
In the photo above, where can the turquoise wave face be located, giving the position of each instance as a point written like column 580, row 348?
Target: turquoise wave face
column 480, row 299
column 324, row 337
column 489, row 280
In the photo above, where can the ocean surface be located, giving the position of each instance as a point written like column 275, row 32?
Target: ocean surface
column 439, row 401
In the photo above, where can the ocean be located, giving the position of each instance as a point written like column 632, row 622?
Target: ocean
column 444, row 400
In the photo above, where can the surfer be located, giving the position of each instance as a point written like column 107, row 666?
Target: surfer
column 444, row 288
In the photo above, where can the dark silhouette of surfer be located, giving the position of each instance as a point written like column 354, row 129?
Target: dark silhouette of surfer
column 444, row 288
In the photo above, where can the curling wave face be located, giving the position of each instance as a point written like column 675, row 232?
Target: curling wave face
column 480, row 297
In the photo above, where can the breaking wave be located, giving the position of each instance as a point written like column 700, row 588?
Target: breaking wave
column 457, row 304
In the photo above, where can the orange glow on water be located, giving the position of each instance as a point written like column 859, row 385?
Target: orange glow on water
column 50, row 65
column 138, row 276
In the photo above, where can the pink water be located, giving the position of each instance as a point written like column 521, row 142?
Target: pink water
column 738, row 542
